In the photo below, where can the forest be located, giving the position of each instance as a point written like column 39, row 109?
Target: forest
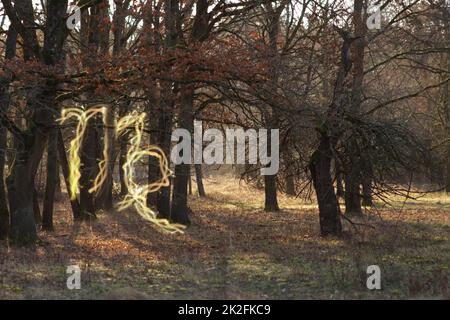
column 224, row 149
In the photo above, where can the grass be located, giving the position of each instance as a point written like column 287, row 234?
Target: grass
column 235, row 250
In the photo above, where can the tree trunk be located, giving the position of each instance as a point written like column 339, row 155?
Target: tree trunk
column 366, row 182
column 163, row 194
column 123, row 150
column 10, row 52
column 352, row 192
column 353, row 170
column 338, row 175
column 154, row 173
column 4, row 213
column 36, row 208
column 88, row 169
column 199, row 180
column 21, row 190
column 330, row 131
column 162, row 137
column 270, row 191
column 152, row 41
column 289, row 175
column 272, row 118
column 122, row 159
column 320, row 166
column 367, row 200
column 447, row 182
column 290, row 185
column 171, row 9
column 118, row 29
column 94, row 32
column 190, row 183
column 445, row 95
column 270, row 181
column 58, row 191
column 339, row 187
column 52, row 177
column 179, row 210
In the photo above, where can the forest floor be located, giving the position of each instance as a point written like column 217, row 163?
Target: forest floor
column 235, row 250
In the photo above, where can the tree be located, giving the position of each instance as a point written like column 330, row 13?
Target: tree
column 199, row 180
column 10, row 52
column 329, row 132
column 95, row 37
column 51, row 181
column 353, row 167
column 32, row 141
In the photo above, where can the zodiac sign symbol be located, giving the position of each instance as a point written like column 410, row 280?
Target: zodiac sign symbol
column 137, row 194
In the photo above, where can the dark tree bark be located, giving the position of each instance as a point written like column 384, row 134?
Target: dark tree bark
column 339, row 187
column 20, row 194
column 89, row 155
column 190, row 182
column 289, row 172
column 36, row 208
column 290, row 185
column 270, row 186
column 153, row 163
column 270, row 191
column 445, row 94
column 122, row 159
column 58, row 191
column 367, row 200
column 4, row 212
column 352, row 194
column 199, row 180
column 447, row 165
column 51, row 181
column 447, row 182
column 165, row 127
column 154, row 173
column 366, row 182
column 270, row 181
column 320, row 166
column 179, row 210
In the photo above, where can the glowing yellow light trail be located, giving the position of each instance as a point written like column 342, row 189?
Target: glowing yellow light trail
column 83, row 117
column 137, row 194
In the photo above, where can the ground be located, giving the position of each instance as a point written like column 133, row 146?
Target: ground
column 235, row 250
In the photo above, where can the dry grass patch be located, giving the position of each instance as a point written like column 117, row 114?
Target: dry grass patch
column 236, row 250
